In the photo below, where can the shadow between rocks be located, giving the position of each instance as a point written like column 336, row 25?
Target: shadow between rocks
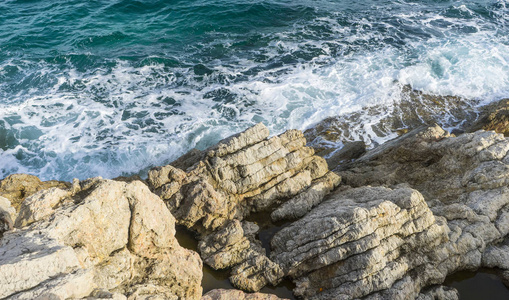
column 218, row 279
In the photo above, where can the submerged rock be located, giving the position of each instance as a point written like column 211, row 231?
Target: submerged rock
column 385, row 121
column 108, row 235
column 248, row 172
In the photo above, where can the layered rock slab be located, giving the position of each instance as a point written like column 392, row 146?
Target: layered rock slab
column 361, row 242
column 100, row 235
column 248, row 172
column 463, row 179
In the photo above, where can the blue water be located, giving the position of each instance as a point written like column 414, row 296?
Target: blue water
column 112, row 88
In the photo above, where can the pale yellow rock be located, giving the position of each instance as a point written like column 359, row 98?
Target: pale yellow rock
column 245, row 173
column 110, row 235
column 40, row 205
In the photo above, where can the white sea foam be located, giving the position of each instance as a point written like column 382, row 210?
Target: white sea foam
column 120, row 120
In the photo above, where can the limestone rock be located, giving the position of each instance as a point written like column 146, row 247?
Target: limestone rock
column 226, row 247
column 496, row 257
column 5, row 223
column 248, row 172
column 360, row 242
column 5, row 206
column 221, row 294
column 40, row 205
column 299, row 205
column 107, row 235
column 17, row 187
column 255, row 272
column 464, row 181
column 71, row 285
column 28, row 259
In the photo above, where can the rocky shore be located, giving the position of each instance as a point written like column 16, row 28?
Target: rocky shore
column 390, row 222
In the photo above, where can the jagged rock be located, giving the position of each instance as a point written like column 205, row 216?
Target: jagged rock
column 299, row 205
column 102, row 294
column 188, row 160
column 226, row 247
column 100, row 234
column 359, row 242
column 40, row 205
column 17, row 187
column 5, row 223
column 128, row 178
column 255, row 272
column 71, row 285
column 248, row 172
column 494, row 116
column 221, row 294
column 464, row 181
column 496, row 256
column 5, row 206
column 231, row 246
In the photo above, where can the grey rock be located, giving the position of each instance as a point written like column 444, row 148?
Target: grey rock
column 350, row 151
column 461, row 223
column 359, row 242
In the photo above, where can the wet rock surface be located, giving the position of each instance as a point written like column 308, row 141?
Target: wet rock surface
column 389, row 120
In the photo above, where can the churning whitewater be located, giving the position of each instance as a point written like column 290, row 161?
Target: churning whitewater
column 110, row 88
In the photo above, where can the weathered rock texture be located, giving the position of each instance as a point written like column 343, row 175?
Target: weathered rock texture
column 221, row 294
column 17, row 187
column 362, row 241
column 98, row 237
column 248, row 172
column 448, row 210
column 413, row 211
column 493, row 117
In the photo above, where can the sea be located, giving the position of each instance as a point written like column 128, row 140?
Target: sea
column 114, row 87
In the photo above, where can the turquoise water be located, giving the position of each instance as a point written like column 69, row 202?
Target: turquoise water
column 110, row 88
